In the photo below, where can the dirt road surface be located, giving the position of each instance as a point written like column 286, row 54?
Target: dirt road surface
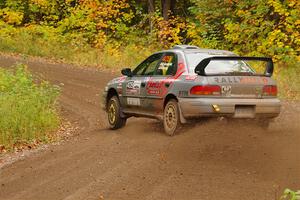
column 211, row 160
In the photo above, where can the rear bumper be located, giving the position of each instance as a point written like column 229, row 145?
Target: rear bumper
column 198, row 107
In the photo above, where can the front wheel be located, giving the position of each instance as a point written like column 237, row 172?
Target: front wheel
column 114, row 113
column 171, row 117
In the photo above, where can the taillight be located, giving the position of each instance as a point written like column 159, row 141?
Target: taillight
column 205, row 90
column 270, row 90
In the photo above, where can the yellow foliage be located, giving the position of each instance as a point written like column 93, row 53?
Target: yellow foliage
column 100, row 40
column 11, row 17
column 42, row 3
column 169, row 31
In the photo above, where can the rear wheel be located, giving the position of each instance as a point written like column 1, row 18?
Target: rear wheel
column 114, row 113
column 171, row 118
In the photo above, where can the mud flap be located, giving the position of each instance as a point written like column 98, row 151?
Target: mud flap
column 182, row 119
column 122, row 113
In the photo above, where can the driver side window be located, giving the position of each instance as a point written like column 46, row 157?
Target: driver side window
column 148, row 66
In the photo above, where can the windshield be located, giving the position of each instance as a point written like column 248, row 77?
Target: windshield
column 218, row 66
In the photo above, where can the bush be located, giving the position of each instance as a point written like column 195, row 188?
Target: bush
column 27, row 108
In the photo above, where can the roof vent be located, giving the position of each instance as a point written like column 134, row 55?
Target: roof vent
column 185, row 47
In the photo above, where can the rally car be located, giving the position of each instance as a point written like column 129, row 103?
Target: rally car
column 188, row 82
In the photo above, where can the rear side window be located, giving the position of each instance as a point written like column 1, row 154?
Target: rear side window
column 168, row 65
column 217, row 67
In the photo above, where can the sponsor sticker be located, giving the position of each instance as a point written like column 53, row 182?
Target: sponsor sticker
column 154, row 87
column 226, row 90
column 190, row 77
column 133, row 87
column 244, row 80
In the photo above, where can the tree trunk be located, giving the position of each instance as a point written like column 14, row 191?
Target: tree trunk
column 166, row 6
column 25, row 11
column 151, row 10
column 151, row 6
column 172, row 7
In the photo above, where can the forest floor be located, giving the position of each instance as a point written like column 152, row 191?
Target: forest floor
column 211, row 160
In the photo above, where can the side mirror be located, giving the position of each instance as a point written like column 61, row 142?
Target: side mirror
column 126, row 72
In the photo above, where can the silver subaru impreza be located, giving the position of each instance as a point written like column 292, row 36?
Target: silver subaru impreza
column 188, row 82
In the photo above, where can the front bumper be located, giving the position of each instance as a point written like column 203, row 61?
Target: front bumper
column 229, row 107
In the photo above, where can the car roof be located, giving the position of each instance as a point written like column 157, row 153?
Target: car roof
column 195, row 49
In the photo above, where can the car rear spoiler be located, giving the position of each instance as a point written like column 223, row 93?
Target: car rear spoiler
column 200, row 68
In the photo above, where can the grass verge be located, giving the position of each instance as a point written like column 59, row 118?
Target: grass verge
column 27, row 108
column 48, row 42
column 287, row 77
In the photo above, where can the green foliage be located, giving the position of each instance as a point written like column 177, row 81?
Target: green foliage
column 268, row 27
column 259, row 27
column 208, row 28
column 290, row 195
column 27, row 110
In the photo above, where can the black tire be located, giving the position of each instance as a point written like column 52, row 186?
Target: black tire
column 171, row 118
column 114, row 113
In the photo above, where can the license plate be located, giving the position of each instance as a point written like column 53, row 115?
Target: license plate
column 244, row 112
column 133, row 101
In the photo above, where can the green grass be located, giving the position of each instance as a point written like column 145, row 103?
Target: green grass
column 27, row 108
column 79, row 53
column 287, row 77
column 290, row 195
column 48, row 42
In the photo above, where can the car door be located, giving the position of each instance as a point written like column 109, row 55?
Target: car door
column 134, row 88
column 158, row 84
